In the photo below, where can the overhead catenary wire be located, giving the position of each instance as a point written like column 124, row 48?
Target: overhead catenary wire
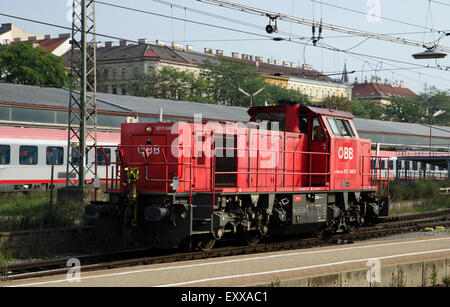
column 266, row 36
column 221, row 17
column 230, row 29
column 331, row 27
column 381, row 17
column 386, row 59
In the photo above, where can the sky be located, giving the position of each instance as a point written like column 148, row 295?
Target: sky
column 412, row 17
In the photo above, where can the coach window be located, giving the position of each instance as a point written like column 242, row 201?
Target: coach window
column 5, row 154
column 55, row 156
column 28, row 155
column 103, row 155
column 76, row 156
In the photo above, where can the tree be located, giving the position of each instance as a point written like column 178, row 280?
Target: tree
column 338, row 103
column 25, row 64
column 226, row 77
column 407, row 109
column 273, row 93
column 437, row 100
column 169, row 83
column 370, row 109
column 218, row 83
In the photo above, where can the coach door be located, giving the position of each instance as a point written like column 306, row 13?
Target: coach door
column 319, row 158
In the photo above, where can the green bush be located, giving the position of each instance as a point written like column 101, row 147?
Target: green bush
column 32, row 210
column 413, row 190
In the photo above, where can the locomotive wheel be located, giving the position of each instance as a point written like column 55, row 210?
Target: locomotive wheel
column 252, row 238
column 205, row 244
column 320, row 234
column 351, row 228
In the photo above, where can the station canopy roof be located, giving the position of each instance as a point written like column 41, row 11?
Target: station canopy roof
column 58, row 98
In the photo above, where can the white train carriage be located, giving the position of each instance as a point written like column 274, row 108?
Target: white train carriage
column 404, row 169
column 28, row 154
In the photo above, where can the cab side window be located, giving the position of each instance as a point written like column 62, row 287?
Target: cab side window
column 303, row 123
column 317, row 131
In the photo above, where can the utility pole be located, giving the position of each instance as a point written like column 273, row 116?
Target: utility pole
column 82, row 123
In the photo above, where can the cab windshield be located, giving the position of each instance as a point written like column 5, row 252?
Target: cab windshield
column 340, row 127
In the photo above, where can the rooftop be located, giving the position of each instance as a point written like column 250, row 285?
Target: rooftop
column 377, row 90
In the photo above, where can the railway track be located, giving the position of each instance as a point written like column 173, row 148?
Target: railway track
column 135, row 257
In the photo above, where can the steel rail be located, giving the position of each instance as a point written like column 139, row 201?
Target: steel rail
column 135, row 257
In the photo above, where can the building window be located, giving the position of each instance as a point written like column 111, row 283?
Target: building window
column 348, row 96
column 304, row 91
column 310, row 92
column 323, row 93
column 298, row 89
column 317, row 93
column 328, row 93
column 114, row 90
column 5, row 154
column 124, row 91
column 55, row 156
column 115, row 74
column 28, row 155
column 105, row 74
column 124, row 73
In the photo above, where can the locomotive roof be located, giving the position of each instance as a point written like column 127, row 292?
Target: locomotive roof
column 322, row 111
column 330, row 112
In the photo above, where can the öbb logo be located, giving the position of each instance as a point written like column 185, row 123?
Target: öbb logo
column 345, row 153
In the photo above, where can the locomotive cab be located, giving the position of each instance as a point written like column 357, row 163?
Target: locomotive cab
column 330, row 138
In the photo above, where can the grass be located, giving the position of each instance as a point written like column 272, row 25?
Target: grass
column 32, row 210
column 416, row 189
column 427, row 191
column 3, row 267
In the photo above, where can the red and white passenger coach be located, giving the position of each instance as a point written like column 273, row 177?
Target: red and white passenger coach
column 28, row 154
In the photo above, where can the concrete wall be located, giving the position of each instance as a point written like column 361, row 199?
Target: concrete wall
column 416, row 274
column 43, row 242
column 77, row 239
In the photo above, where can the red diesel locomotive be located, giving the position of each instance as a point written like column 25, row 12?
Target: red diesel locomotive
column 291, row 169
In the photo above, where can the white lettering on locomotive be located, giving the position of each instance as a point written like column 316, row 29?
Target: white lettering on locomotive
column 345, row 153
